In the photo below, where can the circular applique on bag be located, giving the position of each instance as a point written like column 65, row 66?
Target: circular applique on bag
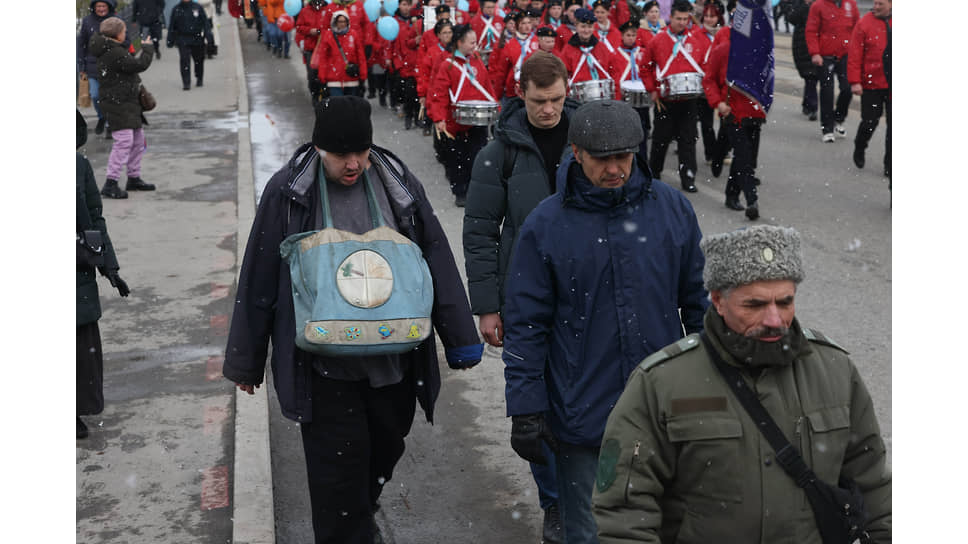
column 364, row 279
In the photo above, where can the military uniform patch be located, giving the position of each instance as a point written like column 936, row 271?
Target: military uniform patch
column 607, row 463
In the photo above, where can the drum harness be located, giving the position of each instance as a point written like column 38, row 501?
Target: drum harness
column 488, row 33
column 630, row 57
column 525, row 48
column 586, row 54
column 676, row 49
column 460, row 85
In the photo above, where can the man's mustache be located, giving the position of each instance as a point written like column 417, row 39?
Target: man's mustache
column 767, row 332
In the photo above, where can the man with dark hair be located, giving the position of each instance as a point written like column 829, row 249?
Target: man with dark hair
column 512, row 174
column 604, row 272
column 683, row 458
column 671, row 52
column 353, row 411
column 829, row 27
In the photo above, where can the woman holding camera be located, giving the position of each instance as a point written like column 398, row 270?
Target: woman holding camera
column 343, row 61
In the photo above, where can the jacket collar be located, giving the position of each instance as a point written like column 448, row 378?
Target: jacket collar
column 384, row 165
column 512, row 126
column 578, row 192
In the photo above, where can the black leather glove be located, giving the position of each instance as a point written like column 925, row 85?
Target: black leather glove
column 527, row 434
column 118, row 283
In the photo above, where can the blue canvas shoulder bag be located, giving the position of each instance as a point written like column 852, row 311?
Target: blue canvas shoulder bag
column 358, row 294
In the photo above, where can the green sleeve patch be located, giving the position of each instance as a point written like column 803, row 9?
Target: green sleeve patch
column 607, row 461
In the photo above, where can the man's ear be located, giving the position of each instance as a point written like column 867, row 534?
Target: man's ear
column 518, row 90
column 716, row 297
column 576, row 152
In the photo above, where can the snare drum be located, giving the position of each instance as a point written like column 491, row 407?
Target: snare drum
column 682, row 86
column 635, row 94
column 598, row 89
column 477, row 113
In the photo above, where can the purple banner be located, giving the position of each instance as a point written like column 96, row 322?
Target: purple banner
column 751, row 68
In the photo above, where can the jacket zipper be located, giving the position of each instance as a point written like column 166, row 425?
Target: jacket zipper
column 628, row 481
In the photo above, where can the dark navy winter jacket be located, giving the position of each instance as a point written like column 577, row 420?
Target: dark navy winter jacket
column 596, row 285
column 264, row 310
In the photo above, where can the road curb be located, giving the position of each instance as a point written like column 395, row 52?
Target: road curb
column 253, row 519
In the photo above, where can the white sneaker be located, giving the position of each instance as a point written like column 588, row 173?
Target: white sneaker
column 840, row 130
column 829, row 137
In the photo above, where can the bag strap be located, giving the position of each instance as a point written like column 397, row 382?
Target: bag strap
column 786, row 455
column 326, row 219
column 340, row 47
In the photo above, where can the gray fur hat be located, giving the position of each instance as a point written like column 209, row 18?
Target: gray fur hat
column 758, row 253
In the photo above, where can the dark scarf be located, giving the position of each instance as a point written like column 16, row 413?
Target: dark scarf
column 752, row 353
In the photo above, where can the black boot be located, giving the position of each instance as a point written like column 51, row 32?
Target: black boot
column 733, row 204
column 81, row 429
column 99, row 128
column 551, row 531
column 858, row 157
column 407, row 122
column 157, row 52
column 753, row 212
column 383, row 100
column 111, row 189
column 198, row 82
column 137, row 184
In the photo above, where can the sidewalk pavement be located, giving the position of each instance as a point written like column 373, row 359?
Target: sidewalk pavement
column 170, row 459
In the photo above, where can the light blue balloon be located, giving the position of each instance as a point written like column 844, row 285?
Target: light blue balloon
column 372, row 9
column 500, row 13
column 293, row 7
column 388, row 28
column 463, row 5
column 775, row 2
column 391, row 6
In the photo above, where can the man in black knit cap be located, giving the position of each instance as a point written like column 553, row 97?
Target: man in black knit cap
column 354, row 411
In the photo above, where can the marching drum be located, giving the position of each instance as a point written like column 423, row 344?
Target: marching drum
column 682, row 86
column 598, row 89
column 478, row 113
column 635, row 94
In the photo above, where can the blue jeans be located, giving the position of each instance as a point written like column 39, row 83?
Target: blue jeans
column 576, row 469
column 546, row 480
column 93, row 85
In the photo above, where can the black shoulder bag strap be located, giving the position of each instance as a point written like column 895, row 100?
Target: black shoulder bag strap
column 340, row 47
column 839, row 512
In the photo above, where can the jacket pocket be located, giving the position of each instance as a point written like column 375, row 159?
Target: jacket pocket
column 829, row 433
column 710, row 448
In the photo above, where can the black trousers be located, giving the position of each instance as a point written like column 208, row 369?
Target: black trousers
column 352, row 445
column 376, row 83
column 809, row 103
column 90, row 370
column 155, row 31
column 706, row 117
column 458, row 155
column 393, row 83
column 833, row 68
column 646, row 128
column 745, row 139
column 873, row 102
column 676, row 122
column 188, row 54
column 407, row 95
column 312, row 76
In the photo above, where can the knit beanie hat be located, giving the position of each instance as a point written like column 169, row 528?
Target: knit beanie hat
column 343, row 125
column 744, row 256
column 112, row 27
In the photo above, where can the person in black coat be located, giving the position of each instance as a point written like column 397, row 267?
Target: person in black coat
column 190, row 29
column 354, row 411
column 120, row 90
column 89, row 362
column 86, row 61
column 150, row 16
column 797, row 15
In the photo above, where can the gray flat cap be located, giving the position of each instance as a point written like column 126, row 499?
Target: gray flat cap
column 758, row 253
column 605, row 127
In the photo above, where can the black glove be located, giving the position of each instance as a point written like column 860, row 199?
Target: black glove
column 368, row 50
column 118, row 283
column 527, row 433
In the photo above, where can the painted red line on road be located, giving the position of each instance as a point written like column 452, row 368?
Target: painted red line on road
column 215, row 416
column 219, row 290
column 219, row 324
column 215, row 488
column 213, row 368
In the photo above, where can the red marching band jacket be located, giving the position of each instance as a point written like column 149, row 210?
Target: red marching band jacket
column 865, row 55
column 612, row 39
column 427, row 66
column 829, row 27
column 452, row 83
column 659, row 62
column 405, row 55
column 577, row 65
column 488, row 31
column 359, row 21
column 717, row 90
column 505, row 62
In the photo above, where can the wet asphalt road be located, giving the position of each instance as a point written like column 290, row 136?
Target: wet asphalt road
column 459, row 481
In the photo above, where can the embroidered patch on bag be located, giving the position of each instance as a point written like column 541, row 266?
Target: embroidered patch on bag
column 414, row 331
column 385, row 331
column 352, row 333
